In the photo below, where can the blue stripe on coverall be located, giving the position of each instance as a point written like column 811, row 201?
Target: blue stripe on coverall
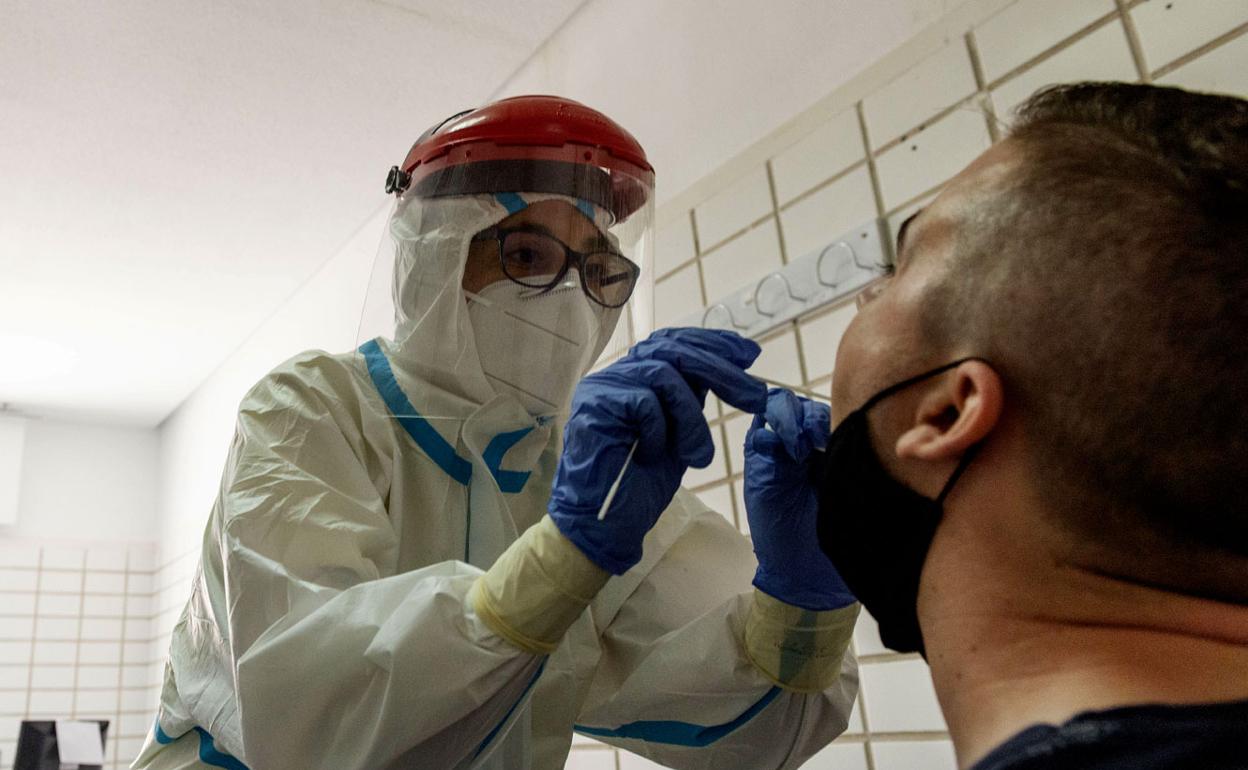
column 428, row 439
column 510, row 711
column 416, row 426
column 679, row 733
column 209, row 754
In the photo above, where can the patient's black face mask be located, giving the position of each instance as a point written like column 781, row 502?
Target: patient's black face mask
column 876, row 530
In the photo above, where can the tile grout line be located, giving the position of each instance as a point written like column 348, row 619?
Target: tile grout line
column 910, row 133
column 30, row 672
column 732, row 498
column 822, row 185
column 1066, row 42
column 121, row 667
column 1133, row 41
column 738, row 233
column 775, row 211
column 703, row 297
column 981, row 101
column 986, row 104
column 681, row 266
column 862, row 714
column 876, row 190
column 697, row 256
column 1207, row 48
column 803, row 375
column 82, row 594
column 719, row 422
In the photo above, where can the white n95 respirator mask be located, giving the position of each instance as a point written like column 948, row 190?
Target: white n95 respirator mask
column 537, row 343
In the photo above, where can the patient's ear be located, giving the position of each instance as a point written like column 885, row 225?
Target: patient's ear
column 956, row 411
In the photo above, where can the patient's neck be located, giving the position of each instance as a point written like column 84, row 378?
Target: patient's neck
column 1022, row 638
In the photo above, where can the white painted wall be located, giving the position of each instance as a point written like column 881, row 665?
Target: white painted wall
column 324, row 314
column 698, row 81
column 86, row 483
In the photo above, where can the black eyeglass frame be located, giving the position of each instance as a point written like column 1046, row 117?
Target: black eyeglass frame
column 570, row 256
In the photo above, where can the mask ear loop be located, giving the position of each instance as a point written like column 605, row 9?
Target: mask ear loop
column 890, row 390
column 969, row 454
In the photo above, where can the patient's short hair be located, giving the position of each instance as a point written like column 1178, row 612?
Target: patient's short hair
column 1107, row 278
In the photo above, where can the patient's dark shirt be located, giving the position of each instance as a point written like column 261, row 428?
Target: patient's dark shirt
column 1208, row 737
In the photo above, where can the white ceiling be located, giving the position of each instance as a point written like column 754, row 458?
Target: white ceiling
column 171, row 170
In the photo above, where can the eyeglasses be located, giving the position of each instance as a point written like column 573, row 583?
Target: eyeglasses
column 530, row 258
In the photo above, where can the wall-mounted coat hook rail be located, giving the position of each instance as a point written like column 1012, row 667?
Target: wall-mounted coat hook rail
column 823, row 276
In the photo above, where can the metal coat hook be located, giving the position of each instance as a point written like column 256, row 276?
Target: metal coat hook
column 842, row 246
column 788, row 289
column 727, row 311
column 839, row 246
column 820, row 277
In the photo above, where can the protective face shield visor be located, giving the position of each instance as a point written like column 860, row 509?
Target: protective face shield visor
column 510, row 276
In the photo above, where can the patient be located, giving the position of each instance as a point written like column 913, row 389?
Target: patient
column 1052, row 503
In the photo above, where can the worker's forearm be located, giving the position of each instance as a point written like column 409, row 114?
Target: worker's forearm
column 800, row 650
column 537, row 589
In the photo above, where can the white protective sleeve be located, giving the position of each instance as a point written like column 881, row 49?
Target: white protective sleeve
column 306, row 646
column 316, row 654
column 676, row 683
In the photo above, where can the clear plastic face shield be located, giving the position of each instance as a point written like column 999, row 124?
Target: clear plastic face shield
column 509, row 280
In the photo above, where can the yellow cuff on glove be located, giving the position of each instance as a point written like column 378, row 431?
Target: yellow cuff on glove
column 800, row 650
column 537, row 589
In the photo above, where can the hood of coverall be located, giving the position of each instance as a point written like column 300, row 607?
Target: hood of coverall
column 434, row 341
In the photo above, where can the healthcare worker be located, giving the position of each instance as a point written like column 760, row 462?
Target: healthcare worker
column 431, row 553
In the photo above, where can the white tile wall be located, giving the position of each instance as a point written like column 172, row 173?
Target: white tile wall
column 64, row 558
column 634, row 762
column 934, row 84
column 673, row 246
column 719, row 499
column 738, row 492
column 13, row 555
column 820, row 339
column 75, row 623
column 1169, row 29
column 899, row 697
column 813, row 221
column 867, row 636
column 17, row 580
column 820, row 155
column 839, row 756
column 1223, row 70
column 718, row 469
column 1027, row 28
column 676, row 296
column 743, row 202
column 914, row 755
column 931, row 156
column 855, row 726
column 779, row 360
column 1103, row 55
column 741, row 261
column 711, row 411
column 596, row 759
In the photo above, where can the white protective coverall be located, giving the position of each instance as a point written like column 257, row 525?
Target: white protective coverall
column 330, row 623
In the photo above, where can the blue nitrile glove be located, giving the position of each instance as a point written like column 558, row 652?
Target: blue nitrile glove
column 653, row 398
column 782, row 503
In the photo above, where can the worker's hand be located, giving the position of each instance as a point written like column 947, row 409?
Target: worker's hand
column 782, row 503
column 652, row 399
